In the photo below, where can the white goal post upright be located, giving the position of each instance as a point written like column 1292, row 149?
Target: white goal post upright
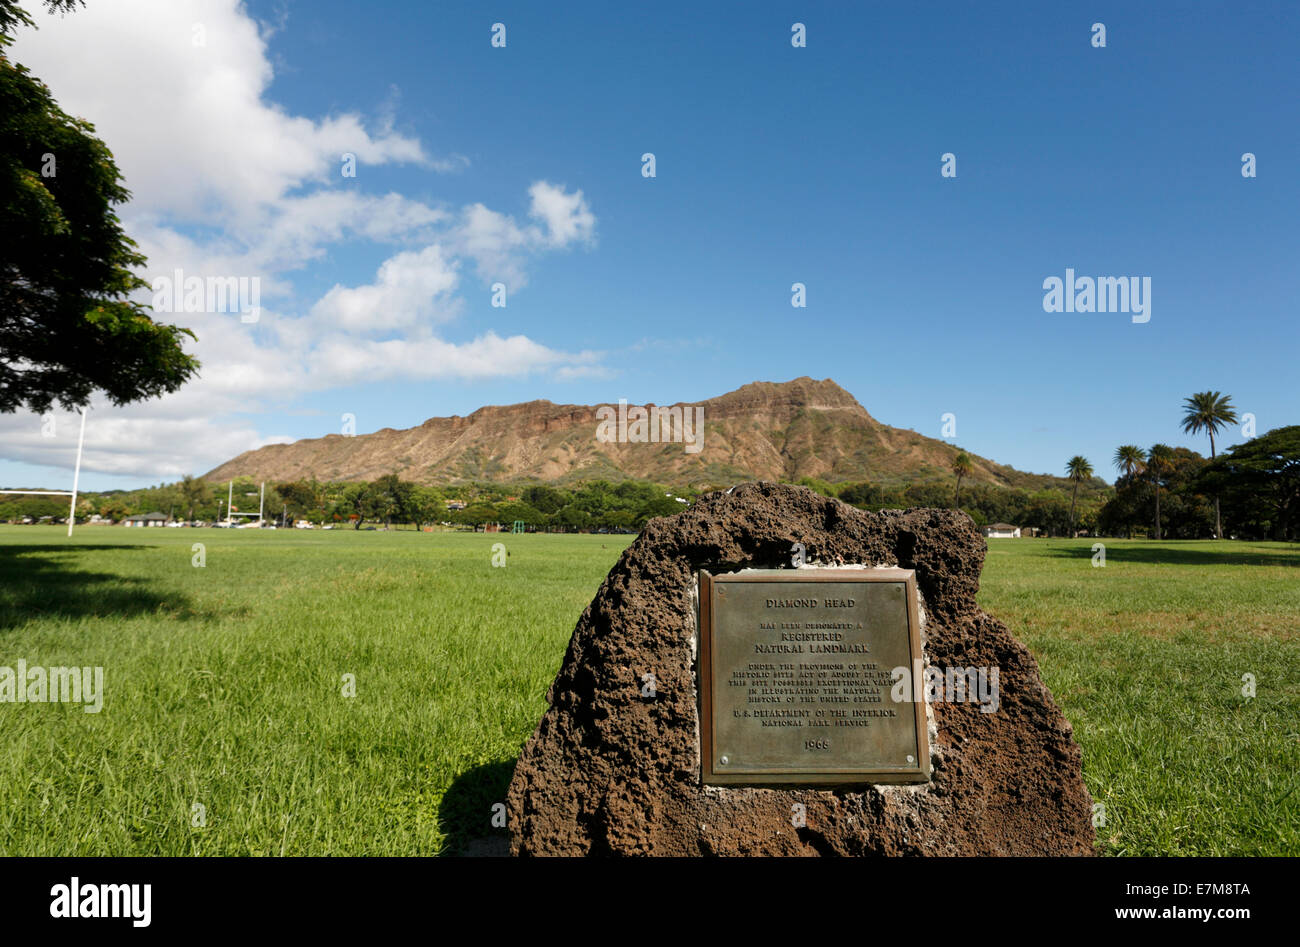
column 76, row 477
column 76, row 482
column 230, row 499
column 76, row 474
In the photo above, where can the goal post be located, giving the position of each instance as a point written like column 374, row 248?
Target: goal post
column 231, row 512
column 76, row 474
column 76, row 479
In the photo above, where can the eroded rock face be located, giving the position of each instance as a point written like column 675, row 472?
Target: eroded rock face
column 824, row 433
column 610, row 772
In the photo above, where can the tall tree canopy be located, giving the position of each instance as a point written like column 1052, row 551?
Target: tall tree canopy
column 962, row 467
column 67, row 326
column 1260, row 484
column 1159, row 463
column 1186, row 510
column 1209, row 411
column 12, row 15
column 1077, row 469
column 1130, row 459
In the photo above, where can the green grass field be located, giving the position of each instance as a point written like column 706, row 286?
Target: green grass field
column 224, row 685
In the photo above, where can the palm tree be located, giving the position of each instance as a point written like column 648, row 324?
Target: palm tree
column 1158, row 463
column 1078, row 470
column 193, row 493
column 1129, row 460
column 1209, row 411
column 962, row 467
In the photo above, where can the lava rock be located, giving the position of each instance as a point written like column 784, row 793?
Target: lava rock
column 609, row 771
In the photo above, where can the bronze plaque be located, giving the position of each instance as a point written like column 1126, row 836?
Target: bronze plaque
column 795, row 677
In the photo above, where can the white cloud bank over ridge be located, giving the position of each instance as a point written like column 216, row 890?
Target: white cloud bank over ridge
column 197, row 142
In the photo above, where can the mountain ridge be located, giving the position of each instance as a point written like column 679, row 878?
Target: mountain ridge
column 760, row 431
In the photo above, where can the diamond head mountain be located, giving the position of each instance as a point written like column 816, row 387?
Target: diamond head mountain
column 761, row 431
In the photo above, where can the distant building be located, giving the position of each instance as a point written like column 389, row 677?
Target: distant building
column 1002, row 531
column 145, row 519
column 455, row 504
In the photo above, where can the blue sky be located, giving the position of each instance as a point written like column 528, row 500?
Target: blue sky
column 775, row 165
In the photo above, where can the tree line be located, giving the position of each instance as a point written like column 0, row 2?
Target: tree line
column 1176, row 493
column 388, row 501
column 1047, row 510
column 1163, row 492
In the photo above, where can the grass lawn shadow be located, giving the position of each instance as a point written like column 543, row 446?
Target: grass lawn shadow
column 38, row 582
column 466, row 814
column 1189, row 555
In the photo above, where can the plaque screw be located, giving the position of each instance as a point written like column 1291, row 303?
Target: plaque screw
column 911, row 759
column 724, row 761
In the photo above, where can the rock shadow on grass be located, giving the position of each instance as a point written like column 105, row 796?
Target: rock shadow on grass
column 466, row 813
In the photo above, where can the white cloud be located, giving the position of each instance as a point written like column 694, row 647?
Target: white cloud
column 119, row 442
column 412, row 288
column 188, row 124
column 228, row 183
column 348, row 360
column 567, row 217
column 499, row 246
column 494, row 241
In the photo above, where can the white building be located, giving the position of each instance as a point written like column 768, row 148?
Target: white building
column 1002, row 531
